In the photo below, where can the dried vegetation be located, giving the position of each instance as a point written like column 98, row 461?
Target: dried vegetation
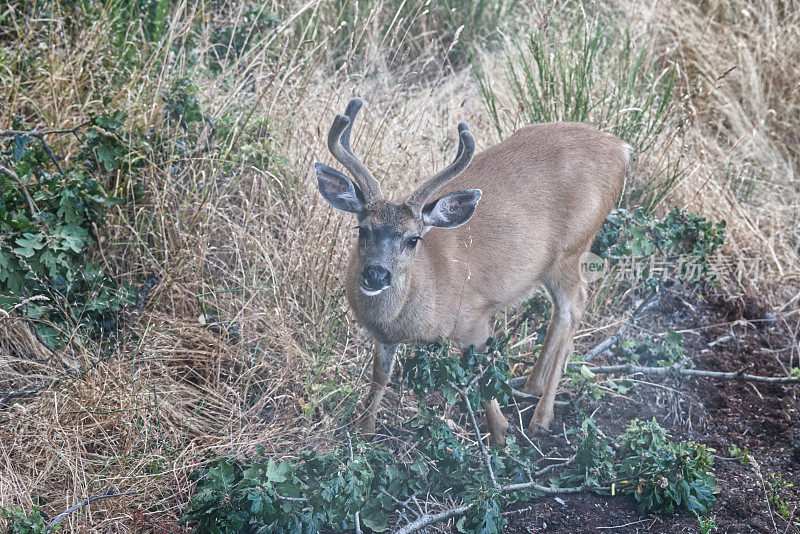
column 245, row 339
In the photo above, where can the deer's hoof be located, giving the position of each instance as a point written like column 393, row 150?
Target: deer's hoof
column 532, row 387
column 366, row 426
column 540, row 426
column 498, row 438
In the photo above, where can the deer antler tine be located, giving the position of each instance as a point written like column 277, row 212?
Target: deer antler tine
column 351, row 111
column 339, row 145
column 466, row 149
column 462, row 126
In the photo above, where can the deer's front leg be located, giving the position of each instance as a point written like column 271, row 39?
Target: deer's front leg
column 382, row 365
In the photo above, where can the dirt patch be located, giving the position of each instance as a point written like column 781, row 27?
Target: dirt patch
column 719, row 335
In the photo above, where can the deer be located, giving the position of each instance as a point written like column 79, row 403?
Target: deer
column 478, row 237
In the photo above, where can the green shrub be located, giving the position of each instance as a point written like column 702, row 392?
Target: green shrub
column 230, row 41
column 649, row 351
column 636, row 236
column 47, row 228
column 776, row 489
column 18, row 522
column 181, row 104
column 594, row 458
column 579, row 68
column 324, row 491
column 666, row 475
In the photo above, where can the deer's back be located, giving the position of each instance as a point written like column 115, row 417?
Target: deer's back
column 546, row 191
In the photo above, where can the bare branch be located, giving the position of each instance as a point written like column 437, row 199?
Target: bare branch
column 110, row 492
column 429, row 519
column 404, row 504
column 36, row 134
column 11, row 174
column 677, row 369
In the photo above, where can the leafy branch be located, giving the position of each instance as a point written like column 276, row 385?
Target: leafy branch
column 359, row 485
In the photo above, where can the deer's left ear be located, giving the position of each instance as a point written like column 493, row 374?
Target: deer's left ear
column 339, row 190
column 451, row 210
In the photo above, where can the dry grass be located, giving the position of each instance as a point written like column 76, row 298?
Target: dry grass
column 256, row 245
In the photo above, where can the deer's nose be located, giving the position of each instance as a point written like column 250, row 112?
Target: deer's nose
column 376, row 277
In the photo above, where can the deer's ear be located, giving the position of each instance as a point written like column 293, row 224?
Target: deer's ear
column 451, row 210
column 339, row 190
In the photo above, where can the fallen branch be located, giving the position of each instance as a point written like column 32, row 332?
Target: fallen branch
column 678, row 369
column 521, row 395
column 110, row 492
column 616, row 338
column 429, row 519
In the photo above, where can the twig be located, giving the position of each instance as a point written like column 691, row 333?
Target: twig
column 517, row 394
column 358, row 513
column 678, row 370
column 11, row 395
column 429, row 519
column 11, row 174
column 290, row 499
column 110, row 492
column 487, row 461
column 36, row 134
column 526, row 486
column 550, row 467
column 404, row 504
column 616, row 338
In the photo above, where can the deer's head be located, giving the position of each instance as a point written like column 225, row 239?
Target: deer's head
column 389, row 233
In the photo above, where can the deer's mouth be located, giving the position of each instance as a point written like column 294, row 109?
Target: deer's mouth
column 368, row 289
column 372, row 292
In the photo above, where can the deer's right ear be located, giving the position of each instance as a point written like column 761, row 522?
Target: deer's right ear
column 339, row 190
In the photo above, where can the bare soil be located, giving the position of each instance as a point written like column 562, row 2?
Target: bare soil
column 724, row 335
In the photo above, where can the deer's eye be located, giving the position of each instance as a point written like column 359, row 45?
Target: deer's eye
column 413, row 241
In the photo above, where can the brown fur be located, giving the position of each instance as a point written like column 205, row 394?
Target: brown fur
column 546, row 191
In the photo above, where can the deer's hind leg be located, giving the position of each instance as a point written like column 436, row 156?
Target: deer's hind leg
column 568, row 292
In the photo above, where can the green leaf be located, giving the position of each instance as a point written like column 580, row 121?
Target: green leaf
column 375, row 519
column 28, row 245
column 74, row 237
column 586, row 372
column 19, row 146
column 277, row 472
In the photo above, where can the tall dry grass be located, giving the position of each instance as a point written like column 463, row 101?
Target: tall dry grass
column 238, row 234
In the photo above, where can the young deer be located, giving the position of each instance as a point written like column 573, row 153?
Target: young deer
column 425, row 270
